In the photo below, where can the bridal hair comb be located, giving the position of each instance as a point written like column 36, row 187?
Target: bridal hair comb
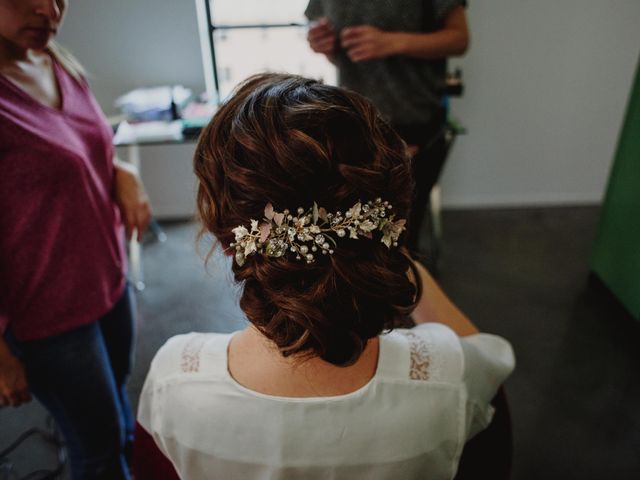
column 306, row 233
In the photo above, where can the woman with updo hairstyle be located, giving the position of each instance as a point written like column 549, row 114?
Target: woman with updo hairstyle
column 308, row 188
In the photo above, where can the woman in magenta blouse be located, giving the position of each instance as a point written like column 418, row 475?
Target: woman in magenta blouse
column 66, row 314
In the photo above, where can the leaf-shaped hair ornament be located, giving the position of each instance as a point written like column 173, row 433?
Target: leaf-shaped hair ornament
column 308, row 232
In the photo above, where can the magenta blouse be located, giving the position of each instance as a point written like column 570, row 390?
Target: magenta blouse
column 62, row 257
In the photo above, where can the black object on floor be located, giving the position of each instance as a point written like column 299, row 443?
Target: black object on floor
column 490, row 453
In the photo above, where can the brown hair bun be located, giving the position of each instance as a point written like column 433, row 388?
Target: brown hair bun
column 292, row 141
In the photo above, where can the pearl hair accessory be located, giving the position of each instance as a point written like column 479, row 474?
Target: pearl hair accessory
column 309, row 232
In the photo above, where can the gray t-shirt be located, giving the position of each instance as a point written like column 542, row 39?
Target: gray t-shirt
column 406, row 90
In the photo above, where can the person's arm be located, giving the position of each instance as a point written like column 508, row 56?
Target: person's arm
column 435, row 306
column 364, row 42
column 14, row 388
column 131, row 197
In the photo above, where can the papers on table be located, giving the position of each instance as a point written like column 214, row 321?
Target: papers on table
column 148, row 132
column 151, row 104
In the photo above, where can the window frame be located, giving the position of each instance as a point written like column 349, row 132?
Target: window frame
column 208, row 27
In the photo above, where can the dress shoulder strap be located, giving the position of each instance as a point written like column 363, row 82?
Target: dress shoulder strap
column 205, row 353
column 434, row 353
column 393, row 359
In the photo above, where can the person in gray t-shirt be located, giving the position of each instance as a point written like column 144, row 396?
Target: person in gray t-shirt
column 394, row 52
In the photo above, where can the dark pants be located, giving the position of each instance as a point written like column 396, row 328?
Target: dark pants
column 80, row 377
column 427, row 164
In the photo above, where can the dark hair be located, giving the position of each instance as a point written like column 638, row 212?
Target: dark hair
column 292, row 141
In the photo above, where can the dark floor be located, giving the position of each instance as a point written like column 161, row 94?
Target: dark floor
column 523, row 274
column 575, row 396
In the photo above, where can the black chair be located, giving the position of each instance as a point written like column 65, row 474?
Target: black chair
column 490, row 453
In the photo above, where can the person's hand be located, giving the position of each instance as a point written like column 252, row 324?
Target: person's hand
column 132, row 199
column 321, row 37
column 14, row 388
column 364, row 42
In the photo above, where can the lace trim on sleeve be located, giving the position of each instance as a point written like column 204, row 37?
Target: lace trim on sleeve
column 420, row 355
column 190, row 357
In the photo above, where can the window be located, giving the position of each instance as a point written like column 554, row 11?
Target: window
column 243, row 37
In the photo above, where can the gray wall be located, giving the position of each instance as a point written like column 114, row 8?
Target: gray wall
column 547, row 84
column 126, row 44
column 134, row 43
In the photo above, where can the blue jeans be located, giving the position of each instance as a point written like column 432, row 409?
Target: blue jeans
column 80, row 377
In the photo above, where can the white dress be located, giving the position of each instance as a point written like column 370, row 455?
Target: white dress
column 429, row 395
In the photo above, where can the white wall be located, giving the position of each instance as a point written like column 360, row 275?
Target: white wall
column 547, row 83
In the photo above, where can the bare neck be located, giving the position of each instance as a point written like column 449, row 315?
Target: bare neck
column 256, row 363
column 24, row 60
column 11, row 53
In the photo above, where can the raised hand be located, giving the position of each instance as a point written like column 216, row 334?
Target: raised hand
column 321, row 37
column 364, row 42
